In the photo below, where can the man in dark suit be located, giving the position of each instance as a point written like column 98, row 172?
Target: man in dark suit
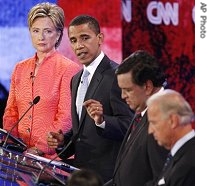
column 170, row 121
column 140, row 158
column 96, row 139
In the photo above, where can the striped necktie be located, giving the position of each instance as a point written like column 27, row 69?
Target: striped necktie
column 136, row 120
column 167, row 162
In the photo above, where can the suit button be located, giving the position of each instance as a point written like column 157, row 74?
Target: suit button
column 78, row 139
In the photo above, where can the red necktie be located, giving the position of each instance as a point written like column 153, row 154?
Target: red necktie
column 136, row 120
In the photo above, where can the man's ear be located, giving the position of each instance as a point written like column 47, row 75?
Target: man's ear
column 101, row 38
column 149, row 87
column 174, row 120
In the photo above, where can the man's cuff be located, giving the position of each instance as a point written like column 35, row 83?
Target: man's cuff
column 102, row 125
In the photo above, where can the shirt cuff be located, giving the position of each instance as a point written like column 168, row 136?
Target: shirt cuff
column 102, row 125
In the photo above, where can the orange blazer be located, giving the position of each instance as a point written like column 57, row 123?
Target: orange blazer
column 52, row 112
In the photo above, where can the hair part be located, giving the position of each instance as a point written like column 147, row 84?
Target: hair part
column 84, row 177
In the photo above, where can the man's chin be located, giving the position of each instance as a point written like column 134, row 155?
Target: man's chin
column 162, row 145
column 84, row 61
column 132, row 108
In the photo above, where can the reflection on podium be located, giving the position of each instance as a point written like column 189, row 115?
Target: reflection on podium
column 31, row 170
column 9, row 141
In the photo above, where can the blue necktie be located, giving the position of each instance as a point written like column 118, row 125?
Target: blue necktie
column 167, row 162
column 82, row 91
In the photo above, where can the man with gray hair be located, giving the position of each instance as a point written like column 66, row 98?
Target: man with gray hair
column 170, row 121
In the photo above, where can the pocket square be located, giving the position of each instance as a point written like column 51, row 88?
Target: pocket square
column 161, row 181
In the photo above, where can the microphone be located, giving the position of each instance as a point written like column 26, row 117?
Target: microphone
column 73, row 139
column 43, row 168
column 35, row 101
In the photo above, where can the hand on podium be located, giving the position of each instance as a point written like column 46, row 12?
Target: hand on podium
column 35, row 151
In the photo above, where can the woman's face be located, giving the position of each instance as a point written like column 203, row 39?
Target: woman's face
column 44, row 35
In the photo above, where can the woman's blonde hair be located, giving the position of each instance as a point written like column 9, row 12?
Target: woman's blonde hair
column 53, row 11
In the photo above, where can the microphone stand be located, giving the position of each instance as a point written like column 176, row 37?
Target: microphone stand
column 35, row 101
column 43, row 168
column 74, row 138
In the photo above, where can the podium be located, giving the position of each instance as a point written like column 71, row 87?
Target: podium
column 31, row 170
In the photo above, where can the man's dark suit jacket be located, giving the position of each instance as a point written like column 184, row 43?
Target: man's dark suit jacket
column 140, row 158
column 181, row 171
column 97, row 148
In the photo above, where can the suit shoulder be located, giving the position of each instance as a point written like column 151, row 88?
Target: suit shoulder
column 112, row 63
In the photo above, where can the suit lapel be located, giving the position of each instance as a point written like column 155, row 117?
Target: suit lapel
column 129, row 139
column 94, row 83
column 74, row 87
column 135, row 134
column 90, row 92
column 179, row 154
